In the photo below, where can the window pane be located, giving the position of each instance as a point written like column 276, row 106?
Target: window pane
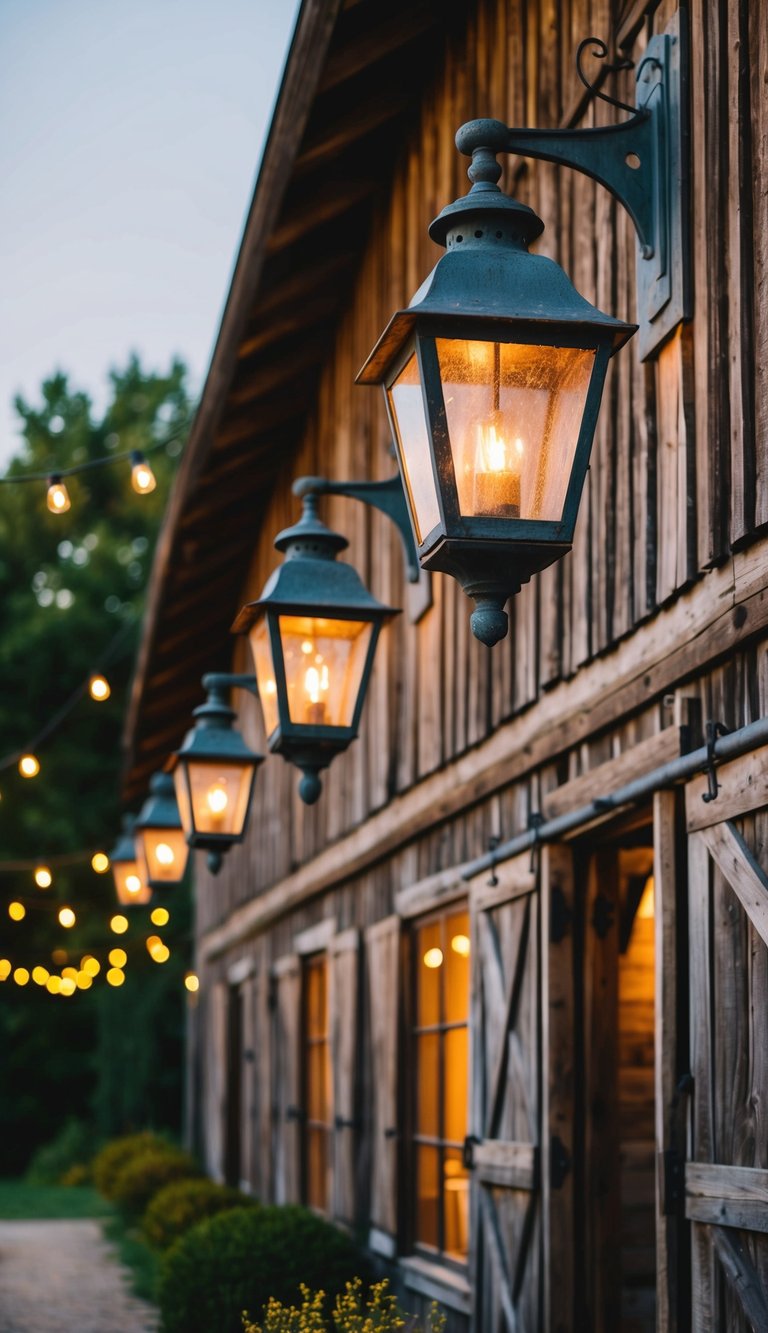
column 318, row 1083
column 407, row 406
column 427, row 1195
column 429, row 956
column 455, row 1075
column 316, row 985
column 428, row 1092
column 457, row 954
column 324, row 661
column 456, row 1206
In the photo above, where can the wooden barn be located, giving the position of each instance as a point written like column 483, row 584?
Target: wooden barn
column 498, row 1001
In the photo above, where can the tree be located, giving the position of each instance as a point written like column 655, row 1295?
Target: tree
column 71, row 595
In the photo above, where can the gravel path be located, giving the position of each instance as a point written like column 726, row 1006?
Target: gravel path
column 62, row 1277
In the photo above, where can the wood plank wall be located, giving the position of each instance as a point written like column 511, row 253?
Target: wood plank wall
column 678, row 475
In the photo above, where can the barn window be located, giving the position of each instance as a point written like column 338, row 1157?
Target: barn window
column 318, row 1096
column 440, row 1181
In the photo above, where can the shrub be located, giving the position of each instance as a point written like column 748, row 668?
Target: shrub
column 72, row 1147
column 180, row 1205
column 108, row 1163
column 236, row 1261
column 147, row 1172
column 352, row 1312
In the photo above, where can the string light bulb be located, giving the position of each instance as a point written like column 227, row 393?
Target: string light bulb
column 17, row 911
column 160, row 916
column 67, row 918
column 142, row 477
column 100, row 863
column 119, row 924
column 43, row 877
column 99, row 687
column 21, row 976
column 29, row 766
column 58, row 500
column 192, row 982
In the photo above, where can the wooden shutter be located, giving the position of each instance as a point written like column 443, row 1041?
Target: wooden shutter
column 726, row 1171
column 382, row 943
column 214, row 1074
column 263, row 1076
column 248, row 1104
column 343, row 972
column 520, row 1122
column 287, row 1070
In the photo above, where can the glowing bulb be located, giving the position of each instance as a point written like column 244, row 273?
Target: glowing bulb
column 67, row 918
column 59, row 957
column 498, row 465
column 40, row 975
column 70, row 973
column 192, row 982
column 312, row 684
column 83, row 981
column 307, row 647
column 160, row 916
column 160, row 954
column 29, row 766
column 68, row 986
column 99, row 688
column 119, row 924
column 142, row 477
column 270, row 687
column 433, row 958
column 133, row 883
column 90, row 965
column 460, row 945
column 53, row 984
column 21, row 976
column 164, row 854
column 100, row 863
column 17, row 911
column 118, row 957
column 152, row 941
column 115, row 976
column 43, row 877
column 217, row 798
column 58, row 500
column 5, row 969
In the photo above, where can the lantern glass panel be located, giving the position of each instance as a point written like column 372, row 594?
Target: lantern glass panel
column 265, row 673
column 129, row 884
column 220, row 793
column 324, row 663
column 408, row 414
column 182, row 797
column 165, row 853
column 514, row 413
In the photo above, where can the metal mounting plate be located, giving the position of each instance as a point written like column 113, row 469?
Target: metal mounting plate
column 664, row 279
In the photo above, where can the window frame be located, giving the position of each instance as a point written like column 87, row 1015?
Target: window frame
column 311, row 962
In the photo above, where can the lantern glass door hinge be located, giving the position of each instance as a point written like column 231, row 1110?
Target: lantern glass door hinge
column 643, row 161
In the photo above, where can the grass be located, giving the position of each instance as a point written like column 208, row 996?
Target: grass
column 142, row 1262
column 19, row 1201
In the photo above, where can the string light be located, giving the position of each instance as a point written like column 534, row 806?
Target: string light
column 67, row 986
column 160, row 916
column 100, row 863
column 83, row 981
column 40, row 975
column 53, row 984
column 29, row 766
column 5, row 969
column 90, row 965
column 99, row 687
column 67, row 918
column 192, row 982
column 118, row 957
column 119, row 924
column 21, row 976
column 142, row 477
column 17, row 911
column 57, row 499
column 43, row 877
column 115, row 976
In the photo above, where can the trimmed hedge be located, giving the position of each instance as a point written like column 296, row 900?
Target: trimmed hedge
column 241, row 1258
column 147, row 1172
column 108, row 1163
column 182, row 1204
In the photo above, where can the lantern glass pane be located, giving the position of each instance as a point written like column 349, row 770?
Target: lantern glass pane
column 165, row 853
column 324, row 662
column 130, row 887
column 220, row 795
column 407, row 406
column 514, row 413
column 265, row 673
column 182, row 798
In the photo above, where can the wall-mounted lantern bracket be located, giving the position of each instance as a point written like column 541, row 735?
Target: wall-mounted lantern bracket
column 220, row 681
column 386, row 496
column 643, row 161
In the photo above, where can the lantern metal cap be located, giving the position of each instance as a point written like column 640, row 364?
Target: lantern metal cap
column 124, row 849
column 310, row 581
column 213, row 736
column 160, row 810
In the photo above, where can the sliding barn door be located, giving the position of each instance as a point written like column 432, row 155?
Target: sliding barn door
column 726, row 1172
column 520, row 1141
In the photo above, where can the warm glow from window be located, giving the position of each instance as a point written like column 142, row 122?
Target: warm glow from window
column 460, row 945
column 100, row 863
column 118, row 957
column 29, row 766
column 67, row 917
column 98, row 688
column 21, row 976
column 646, row 906
column 160, row 916
column 17, row 911
column 192, row 982
column 119, row 924
column 115, row 977
column 433, row 958
column 43, row 877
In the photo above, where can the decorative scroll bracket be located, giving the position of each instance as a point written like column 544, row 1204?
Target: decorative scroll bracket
column 644, row 162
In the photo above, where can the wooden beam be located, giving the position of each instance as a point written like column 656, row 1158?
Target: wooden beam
column 742, row 1278
column 742, row 787
column 747, row 879
column 509, row 1165
column 315, row 210
column 605, row 778
column 397, row 28
column 729, row 1196
column 330, row 140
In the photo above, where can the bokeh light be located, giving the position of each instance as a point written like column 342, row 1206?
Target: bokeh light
column 67, row 918
column 119, row 924
column 100, row 863
column 43, row 877
column 17, row 911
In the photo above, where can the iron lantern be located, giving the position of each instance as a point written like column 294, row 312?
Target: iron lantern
column 132, row 889
column 161, row 845
column 313, row 634
column 213, row 774
column 493, row 377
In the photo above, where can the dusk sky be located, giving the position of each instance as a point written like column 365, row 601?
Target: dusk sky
column 129, row 140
